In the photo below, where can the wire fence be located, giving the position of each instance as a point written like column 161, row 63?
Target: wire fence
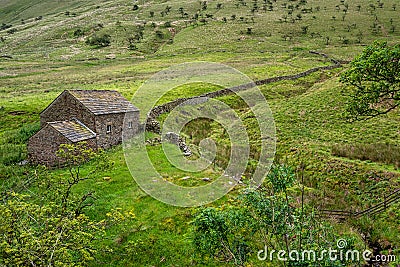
column 376, row 209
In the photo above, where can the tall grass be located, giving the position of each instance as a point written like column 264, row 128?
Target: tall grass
column 13, row 143
column 380, row 152
column 21, row 135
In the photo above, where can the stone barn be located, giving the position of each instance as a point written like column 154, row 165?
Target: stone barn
column 95, row 116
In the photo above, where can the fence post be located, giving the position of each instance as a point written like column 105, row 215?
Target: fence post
column 384, row 203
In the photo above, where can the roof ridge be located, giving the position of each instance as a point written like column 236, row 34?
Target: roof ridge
column 54, row 122
column 101, row 102
column 91, row 90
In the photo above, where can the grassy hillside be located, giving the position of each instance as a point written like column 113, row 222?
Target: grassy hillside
column 44, row 50
column 59, row 33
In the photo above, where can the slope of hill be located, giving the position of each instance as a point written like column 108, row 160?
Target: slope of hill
column 16, row 11
column 58, row 30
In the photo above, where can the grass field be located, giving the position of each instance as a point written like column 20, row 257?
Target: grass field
column 43, row 53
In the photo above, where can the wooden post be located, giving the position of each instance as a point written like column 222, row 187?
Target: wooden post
column 384, row 203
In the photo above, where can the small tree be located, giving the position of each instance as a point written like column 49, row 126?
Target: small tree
column 268, row 216
column 359, row 37
column 79, row 32
column 204, row 5
column 99, row 40
column 304, row 29
column 75, row 156
column 373, row 81
column 49, row 228
column 159, row 34
column 181, row 11
column 132, row 43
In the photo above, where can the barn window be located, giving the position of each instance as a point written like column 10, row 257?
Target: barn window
column 108, row 128
column 130, row 124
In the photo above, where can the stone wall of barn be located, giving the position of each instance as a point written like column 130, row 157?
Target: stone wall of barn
column 43, row 147
column 107, row 139
column 65, row 108
column 131, row 130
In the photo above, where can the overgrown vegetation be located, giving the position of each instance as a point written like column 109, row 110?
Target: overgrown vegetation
column 384, row 153
column 48, row 226
column 262, row 219
column 98, row 41
column 13, row 143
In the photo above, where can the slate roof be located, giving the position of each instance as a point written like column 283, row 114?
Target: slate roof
column 101, row 102
column 74, row 130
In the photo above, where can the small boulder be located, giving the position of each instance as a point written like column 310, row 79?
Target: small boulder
column 111, row 56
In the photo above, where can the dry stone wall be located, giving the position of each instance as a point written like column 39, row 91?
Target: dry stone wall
column 175, row 139
column 153, row 125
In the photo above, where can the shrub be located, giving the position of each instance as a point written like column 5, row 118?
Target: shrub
column 132, row 44
column 5, row 26
column 12, row 31
column 78, row 33
column 267, row 215
column 99, row 40
column 159, row 34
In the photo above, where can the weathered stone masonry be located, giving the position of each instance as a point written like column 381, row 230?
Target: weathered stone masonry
column 99, row 118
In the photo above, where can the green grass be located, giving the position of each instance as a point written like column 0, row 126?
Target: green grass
column 48, row 58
